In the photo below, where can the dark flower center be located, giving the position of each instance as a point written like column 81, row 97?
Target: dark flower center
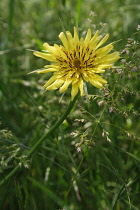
column 76, row 63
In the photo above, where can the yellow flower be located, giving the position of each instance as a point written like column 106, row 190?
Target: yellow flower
column 77, row 61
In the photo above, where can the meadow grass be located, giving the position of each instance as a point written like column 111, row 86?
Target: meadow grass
column 92, row 160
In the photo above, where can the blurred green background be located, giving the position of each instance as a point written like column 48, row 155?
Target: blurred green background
column 105, row 174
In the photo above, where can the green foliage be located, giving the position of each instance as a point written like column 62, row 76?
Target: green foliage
column 92, row 161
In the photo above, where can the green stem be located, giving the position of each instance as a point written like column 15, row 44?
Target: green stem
column 42, row 139
column 10, row 175
column 53, row 128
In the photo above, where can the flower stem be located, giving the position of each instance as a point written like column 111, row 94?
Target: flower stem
column 53, row 128
column 42, row 139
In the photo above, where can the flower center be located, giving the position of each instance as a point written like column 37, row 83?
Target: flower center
column 76, row 64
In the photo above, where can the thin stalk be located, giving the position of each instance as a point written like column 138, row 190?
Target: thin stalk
column 53, row 128
column 42, row 139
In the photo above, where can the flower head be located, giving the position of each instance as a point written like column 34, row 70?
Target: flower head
column 77, row 61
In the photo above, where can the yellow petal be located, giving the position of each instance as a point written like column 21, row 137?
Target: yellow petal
column 88, row 36
column 50, row 81
column 64, row 86
column 51, row 49
column 59, row 51
column 55, row 66
column 55, row 85
column 70, row 39
column 96, row 80
column 102, row 41
column 81, row 40
column 76, row 37
column 45, row 56
column 95, row 83
column 74, row 91
column 45, row 45
column 47, row 70
column 64, row 40
column 81, row 87
column 98, row 70
column 111, row 58
column 101, row 80
column 95, row 39
column 104, row 50
column 104, row 66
